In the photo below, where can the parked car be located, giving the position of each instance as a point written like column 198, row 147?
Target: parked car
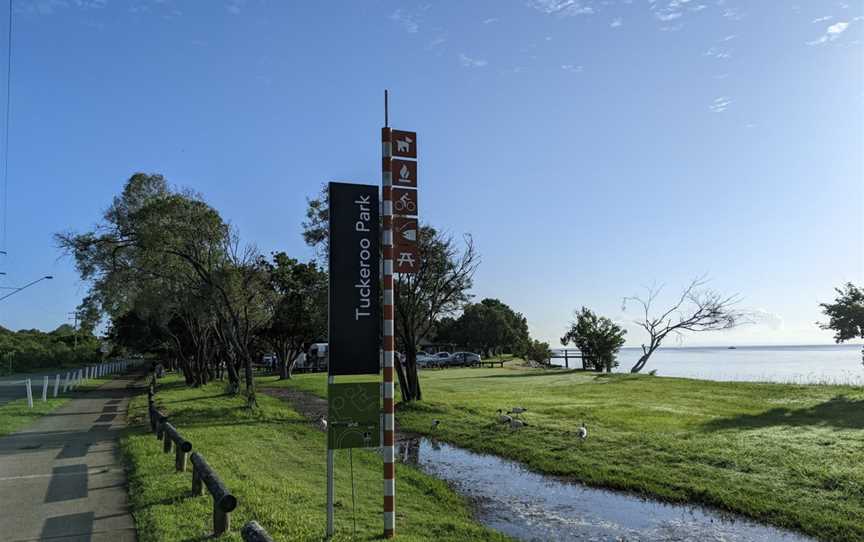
column 441, row 359
column 464, row 359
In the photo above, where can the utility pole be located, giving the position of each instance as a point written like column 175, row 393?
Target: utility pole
column 74, row 315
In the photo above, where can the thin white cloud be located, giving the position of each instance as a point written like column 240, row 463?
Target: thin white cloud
column 490, row 20
column 832, row 33
column 571, row 68
column 838, row 28
column 730, row 37
column 823, row 19
column 562, row 7
column 718, row 53
column 406, row 20
column 49, row 7
column 437, row 42
column 719, row 105
column 616, row 23
column 765, row 317
column 234, row 7
column 469, row 62
column 667, row 16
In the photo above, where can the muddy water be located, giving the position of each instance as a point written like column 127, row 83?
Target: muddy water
column 530, row 506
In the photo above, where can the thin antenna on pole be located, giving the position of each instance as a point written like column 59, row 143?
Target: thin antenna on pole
column 386, row 110
column 6, row 138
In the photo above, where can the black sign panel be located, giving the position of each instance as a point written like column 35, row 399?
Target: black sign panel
column 355, row 313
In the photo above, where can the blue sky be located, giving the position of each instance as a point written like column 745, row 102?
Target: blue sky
column 590, row 147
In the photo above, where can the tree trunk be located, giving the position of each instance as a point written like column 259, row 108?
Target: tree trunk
column 411, row 390
column 247, row 373
column 641, row 363
column 233, row 377
column 403, row 379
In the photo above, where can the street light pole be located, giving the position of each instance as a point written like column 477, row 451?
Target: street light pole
column 29, row 284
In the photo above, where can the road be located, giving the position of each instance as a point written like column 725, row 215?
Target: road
column 62, row 478
column 10, row 391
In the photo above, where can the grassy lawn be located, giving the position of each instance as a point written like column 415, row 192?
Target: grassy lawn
column 16, row 415
column 790, row 455
column 275, row 463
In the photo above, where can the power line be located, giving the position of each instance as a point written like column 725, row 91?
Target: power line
column 6, row 139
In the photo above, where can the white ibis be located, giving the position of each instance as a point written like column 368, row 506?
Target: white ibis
column 323, row 422
column 516, row 424
column 582, row 432
column 503, row 418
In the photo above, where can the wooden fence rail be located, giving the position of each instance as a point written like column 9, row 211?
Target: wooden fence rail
column 223, row 501
column 252, row 532
column 203, row 474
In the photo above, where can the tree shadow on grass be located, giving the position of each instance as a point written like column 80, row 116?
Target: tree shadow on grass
column 839, row 412
column 173, row 401
column 552, row 372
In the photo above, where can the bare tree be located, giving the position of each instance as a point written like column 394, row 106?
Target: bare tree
column 697, row 309
column 440, row 288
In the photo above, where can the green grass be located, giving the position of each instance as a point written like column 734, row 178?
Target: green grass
column 16, row 415
column 790, row 455
column 274, row 461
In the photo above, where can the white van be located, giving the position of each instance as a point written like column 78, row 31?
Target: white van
column 317, row 357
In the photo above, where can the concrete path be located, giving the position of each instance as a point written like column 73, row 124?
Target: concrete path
column 62, row 479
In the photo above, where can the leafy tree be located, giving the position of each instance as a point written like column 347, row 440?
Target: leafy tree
column 597, row 337
column 490, row 326
column 30, row 350
column 537, row 351
column 299, row 309
column 439, row 289
column 170, row 258
column 846, row 314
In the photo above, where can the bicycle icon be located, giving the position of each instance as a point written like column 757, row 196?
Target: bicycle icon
column 405, row 204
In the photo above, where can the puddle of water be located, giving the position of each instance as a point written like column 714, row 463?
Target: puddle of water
column 531, row 506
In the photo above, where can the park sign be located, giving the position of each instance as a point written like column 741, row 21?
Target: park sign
column 353, row 415
column 355, row 316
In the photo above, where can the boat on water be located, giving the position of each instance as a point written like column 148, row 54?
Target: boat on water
column 731, row 347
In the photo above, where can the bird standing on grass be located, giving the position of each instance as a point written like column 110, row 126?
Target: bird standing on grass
column 503, row 418
column 517, row 410
column 435, row 424
column 582, row 432
column 516, row 424
column 323, row 422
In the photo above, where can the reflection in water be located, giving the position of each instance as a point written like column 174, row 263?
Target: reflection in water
column 530, row 506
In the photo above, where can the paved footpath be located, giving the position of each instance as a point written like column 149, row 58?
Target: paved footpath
column 62, row 479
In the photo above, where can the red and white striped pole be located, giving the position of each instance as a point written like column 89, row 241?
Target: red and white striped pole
column 389, row 327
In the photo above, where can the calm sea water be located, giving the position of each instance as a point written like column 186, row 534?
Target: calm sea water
column 834, row 364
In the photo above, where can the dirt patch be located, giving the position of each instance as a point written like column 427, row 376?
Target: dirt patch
column 313, row 408
column 310, row 406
